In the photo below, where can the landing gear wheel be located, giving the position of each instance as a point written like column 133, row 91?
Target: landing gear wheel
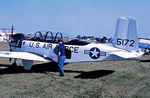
column 14, row 64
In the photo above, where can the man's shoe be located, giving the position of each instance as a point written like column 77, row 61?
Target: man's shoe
column 61, row 75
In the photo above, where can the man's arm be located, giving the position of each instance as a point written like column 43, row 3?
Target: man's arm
column 59, row 53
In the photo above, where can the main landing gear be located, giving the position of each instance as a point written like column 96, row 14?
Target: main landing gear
column 14, row 62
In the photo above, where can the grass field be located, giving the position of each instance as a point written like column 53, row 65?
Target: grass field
column 82, row 80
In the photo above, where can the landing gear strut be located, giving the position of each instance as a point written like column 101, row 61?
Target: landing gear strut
column 14, row 62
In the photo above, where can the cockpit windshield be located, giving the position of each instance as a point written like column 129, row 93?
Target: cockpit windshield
column 37, row 36
column 49, row 37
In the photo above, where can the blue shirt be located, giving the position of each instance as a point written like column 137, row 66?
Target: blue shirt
column 61, row 49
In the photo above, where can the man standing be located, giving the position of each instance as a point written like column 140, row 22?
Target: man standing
column 61, row 56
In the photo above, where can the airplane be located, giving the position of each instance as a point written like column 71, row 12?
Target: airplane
column 124, row 46
column 144, row 44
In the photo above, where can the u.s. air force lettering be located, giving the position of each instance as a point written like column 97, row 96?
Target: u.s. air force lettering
column 37, row 45
column 73, row 49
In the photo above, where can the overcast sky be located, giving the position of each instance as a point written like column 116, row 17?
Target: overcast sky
column 84, row 17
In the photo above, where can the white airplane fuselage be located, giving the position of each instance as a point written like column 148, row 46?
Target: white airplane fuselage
column 84, row 53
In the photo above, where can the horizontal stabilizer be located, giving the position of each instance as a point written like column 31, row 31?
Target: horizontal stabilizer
column 23, row 55
column 126, row 54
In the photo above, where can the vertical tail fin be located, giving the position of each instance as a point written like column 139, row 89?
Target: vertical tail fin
column 126, row 34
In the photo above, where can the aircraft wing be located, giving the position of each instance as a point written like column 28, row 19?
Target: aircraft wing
column 126, row 54
column 23, row 55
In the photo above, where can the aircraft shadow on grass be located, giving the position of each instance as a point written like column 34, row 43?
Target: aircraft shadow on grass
column 52, row 67
column 94, row 74
column 144, row 60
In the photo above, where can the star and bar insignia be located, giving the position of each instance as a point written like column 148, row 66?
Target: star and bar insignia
column 94, row 53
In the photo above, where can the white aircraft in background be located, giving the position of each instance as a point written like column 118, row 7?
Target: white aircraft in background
column 144, row 45
column 124, row 46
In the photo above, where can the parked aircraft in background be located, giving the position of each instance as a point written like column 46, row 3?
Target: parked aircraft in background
column 124, row 46
column 144, row 44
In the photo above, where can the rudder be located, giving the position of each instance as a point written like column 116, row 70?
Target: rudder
column 126, row 34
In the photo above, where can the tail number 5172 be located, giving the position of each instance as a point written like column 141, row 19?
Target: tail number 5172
column 125, row 42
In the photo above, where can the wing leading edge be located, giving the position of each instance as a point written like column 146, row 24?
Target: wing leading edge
column 23, row 55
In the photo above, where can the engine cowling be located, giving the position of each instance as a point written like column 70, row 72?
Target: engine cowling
column 17, row 39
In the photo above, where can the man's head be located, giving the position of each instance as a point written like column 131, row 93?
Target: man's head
column 60, row 41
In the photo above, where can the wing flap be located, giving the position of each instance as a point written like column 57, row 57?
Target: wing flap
column 23, row 55
column 126, row 54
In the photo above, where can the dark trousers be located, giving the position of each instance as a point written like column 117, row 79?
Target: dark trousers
column 61, row 64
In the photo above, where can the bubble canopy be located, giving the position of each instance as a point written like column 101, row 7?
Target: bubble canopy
column 47, row 36
column 53, row 37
